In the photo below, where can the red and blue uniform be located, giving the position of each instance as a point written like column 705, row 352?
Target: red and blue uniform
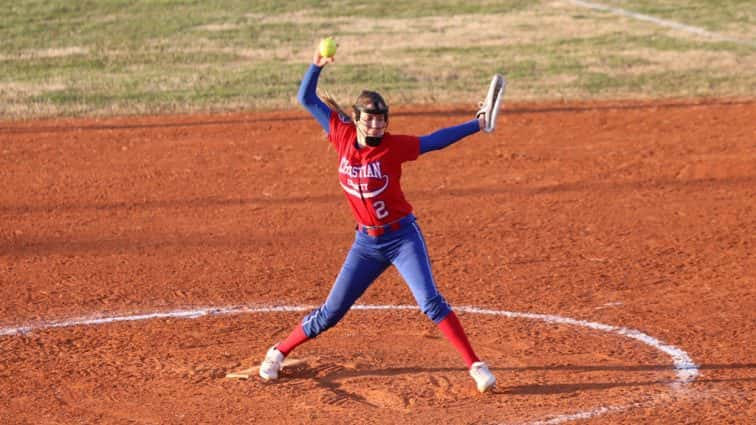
column 387, row 232
column 370, row 176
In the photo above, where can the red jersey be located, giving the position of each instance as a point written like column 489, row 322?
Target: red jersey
column 370, row 176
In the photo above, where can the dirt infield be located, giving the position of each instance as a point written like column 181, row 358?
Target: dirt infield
column 637, row 215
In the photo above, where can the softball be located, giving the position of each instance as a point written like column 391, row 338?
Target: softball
column 327, row 47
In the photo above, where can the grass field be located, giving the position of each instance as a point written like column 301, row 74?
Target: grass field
column 124, row 57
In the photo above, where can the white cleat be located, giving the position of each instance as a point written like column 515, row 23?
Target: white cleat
column 489, row 108
column 272, row 364
column 483, row 377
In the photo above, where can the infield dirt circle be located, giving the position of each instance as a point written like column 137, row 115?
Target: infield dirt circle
column 636, row 215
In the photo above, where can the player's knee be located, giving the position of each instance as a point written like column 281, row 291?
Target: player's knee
column 321, row 319
column 436, row 308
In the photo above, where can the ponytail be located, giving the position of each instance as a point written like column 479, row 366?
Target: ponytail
column 329, row 100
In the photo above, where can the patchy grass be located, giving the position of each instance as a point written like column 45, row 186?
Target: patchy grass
column 101, row 57
column 735, row 18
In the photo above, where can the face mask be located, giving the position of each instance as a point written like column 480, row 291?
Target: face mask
column 370, row 103
column 373, row 141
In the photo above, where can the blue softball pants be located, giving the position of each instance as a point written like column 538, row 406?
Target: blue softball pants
column 369, row 257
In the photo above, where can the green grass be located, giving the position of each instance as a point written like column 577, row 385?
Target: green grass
column 712, row 15
column 121, row 57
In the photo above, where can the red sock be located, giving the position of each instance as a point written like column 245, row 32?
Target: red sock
column 291, row 342
column 452, row 330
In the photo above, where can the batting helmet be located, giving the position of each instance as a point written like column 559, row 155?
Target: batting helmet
column 370, row 102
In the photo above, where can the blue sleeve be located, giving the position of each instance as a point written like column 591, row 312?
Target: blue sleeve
column 446, row 136
column 308, row 97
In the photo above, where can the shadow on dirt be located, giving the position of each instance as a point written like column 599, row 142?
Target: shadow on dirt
column 331, row 379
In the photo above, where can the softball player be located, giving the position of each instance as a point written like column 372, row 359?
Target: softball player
column 369, row 169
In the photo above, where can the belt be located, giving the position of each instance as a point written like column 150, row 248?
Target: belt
column 386, row 228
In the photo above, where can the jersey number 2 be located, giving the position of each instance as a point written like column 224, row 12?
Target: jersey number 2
column 380, row 209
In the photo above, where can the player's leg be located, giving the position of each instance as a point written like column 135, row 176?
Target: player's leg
column 361, row 267
column 410, row 256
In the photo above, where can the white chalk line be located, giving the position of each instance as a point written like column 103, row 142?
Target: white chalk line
column 585, row 415
column 661, row 22
column 175, row 314
column 686, row 370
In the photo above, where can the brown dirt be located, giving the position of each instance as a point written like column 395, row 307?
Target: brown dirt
column 629, row 214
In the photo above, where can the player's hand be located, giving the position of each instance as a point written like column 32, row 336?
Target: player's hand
column 481, row 122
column 321, row 61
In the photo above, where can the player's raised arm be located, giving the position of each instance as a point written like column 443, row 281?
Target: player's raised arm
column 307, row 95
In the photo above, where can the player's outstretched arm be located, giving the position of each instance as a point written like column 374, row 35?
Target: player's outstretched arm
column 446, row 136
column 307, row 95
